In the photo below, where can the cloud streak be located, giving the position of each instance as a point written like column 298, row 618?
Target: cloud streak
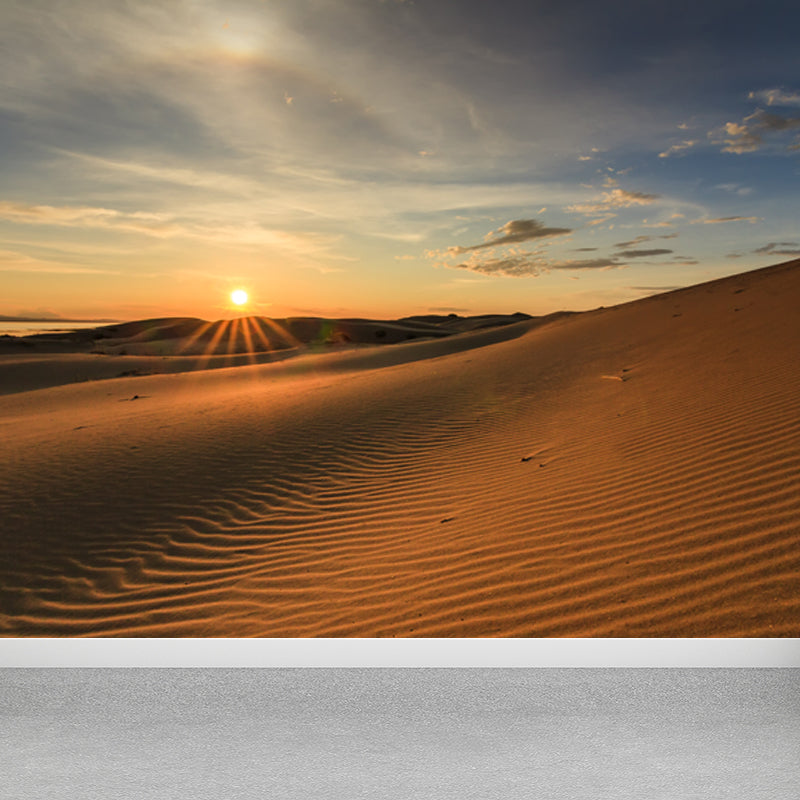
column 12, row 261
column 719, row 220
column 529, row 265
column 191, row 178
column 678, row 148
column 615, row 199
column 776, row 97
column 780, row 249
column 164, row 226
column 88, row 217
column 656, row 251
column 514, row 231
column 644, row 238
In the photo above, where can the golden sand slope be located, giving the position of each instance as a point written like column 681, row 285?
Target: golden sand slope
column 179, row 344
column 632, row 471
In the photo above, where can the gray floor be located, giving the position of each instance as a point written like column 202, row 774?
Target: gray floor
column 532, row 734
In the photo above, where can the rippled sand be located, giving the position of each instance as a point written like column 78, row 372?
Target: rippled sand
column 631, row 471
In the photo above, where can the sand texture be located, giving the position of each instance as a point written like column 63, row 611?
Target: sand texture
column 630, row 471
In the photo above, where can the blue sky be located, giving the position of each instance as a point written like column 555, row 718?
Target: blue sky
column 387, row 157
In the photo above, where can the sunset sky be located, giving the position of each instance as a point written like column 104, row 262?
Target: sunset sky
column 385, row 158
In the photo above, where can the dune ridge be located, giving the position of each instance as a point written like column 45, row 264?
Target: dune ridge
column 631, row 471
column 176, row 344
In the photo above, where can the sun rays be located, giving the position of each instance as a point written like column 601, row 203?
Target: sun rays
column 244, row 339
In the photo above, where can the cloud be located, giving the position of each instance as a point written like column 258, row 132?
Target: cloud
column 616, row 198
column 191, row 178
column 776, row 97
column 747, row 136
column 241, row 232
column 87, row 217
column 514, row 266
column 11, row 261
column 512, row 262
column 735, row 188
column 645, row 238
column 592, row 263
column 658, row 251
column 780, row 249
column 513, row 232
column 528, row 265
column 741, row 139
column 678, row 148
column 718, row 220
column 774, row 122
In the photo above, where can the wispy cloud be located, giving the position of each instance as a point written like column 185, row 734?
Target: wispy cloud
column 592, row 263
column 645, row 238
column 719, row 220
column 735, row 188
column 88, row 217
column 512, row 266
column 165, row 226
column 601, row 220
column 192, row 178
column 499, row 253
column 615, row 199
column 776, row 97
column 780, row 249
column 656, row 251
column 12, row 261
column 528, row 265
column 678, row 148
column 748, row 135
column 513, row 232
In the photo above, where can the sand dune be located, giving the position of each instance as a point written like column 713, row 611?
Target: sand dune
column 158, row 346
column 630, row 471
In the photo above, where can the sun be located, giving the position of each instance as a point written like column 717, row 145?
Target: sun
column 239, row 297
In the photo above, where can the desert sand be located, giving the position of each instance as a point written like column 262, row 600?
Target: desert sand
column 629, row 471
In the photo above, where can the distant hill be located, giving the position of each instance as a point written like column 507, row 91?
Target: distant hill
column 6, row 318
